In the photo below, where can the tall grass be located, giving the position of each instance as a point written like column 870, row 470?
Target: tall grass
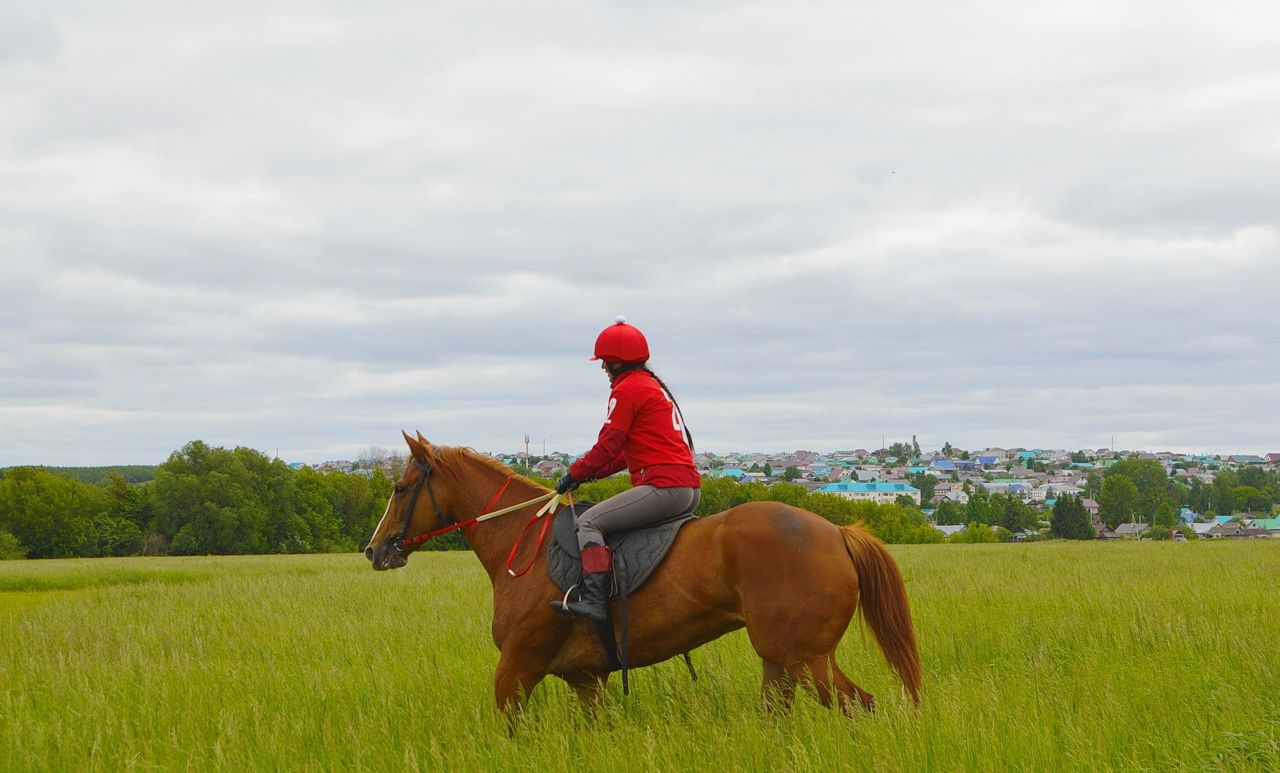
column 1040, row 656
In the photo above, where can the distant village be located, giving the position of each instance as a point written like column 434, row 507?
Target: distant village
column 1036, row 476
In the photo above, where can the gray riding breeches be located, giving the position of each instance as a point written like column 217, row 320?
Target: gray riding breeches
column 633, row 508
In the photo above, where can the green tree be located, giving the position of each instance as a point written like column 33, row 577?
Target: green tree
column 1154, row 487
column 925, row 482
column 50, row 515
column 358, row 503
column 1199, row 497
column 1165, row 516
column 978, row 509
column 791, row 473
column 1251, row 499
column 1252, row 476
column 901, row 451
column 1070, row 519
column 10, row 548
column 1223, row 483
column 949, row 513
column 1119, row 501
column 1013, row 514
column 1093, row 484
column 211, row 500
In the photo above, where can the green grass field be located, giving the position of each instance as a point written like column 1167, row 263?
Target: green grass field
column 1046, row 656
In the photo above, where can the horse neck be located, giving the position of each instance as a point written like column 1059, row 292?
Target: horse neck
column 491, row 541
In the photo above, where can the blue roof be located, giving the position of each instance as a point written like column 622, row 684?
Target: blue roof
column 943, row 464
column 1026, row 454
column 915, row 470
column 1223, row 518
column 867, row 488
column 987, row 459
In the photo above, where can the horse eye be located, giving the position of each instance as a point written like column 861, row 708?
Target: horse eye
column 399, row 489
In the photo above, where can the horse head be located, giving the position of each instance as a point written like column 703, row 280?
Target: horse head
column 421, row 499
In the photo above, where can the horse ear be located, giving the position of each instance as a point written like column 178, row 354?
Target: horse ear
column 415, row 448
column 422, row 440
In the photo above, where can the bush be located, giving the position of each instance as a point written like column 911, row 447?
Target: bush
column 975, row 533
column 155, row 545
column 10, row 548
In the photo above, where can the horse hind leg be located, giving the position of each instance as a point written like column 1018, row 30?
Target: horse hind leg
column 830, row 685
column 850, row 689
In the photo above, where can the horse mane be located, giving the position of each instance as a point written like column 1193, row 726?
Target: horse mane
column 452, row 458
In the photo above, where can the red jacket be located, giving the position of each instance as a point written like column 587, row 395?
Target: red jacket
column 642, row 432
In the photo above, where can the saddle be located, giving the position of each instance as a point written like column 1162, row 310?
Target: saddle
column 636, row 553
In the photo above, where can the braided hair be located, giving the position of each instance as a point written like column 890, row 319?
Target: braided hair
column 618, row 368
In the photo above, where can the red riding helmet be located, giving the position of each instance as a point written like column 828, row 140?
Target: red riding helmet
column 621, row 342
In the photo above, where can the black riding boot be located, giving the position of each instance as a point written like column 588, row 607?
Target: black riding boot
column 593, row 597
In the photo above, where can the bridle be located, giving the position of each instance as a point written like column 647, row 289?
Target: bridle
column 403, row 542
column 426, row 469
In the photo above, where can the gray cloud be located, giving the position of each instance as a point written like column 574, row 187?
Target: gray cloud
column 305, row 228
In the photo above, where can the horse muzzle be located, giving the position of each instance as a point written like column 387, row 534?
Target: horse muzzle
column 386, row 556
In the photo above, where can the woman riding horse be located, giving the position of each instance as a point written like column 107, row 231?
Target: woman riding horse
column 644, row 433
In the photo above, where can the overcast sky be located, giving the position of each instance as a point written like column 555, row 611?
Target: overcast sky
column 303, row 227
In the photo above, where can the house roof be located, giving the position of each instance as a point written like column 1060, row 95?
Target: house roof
column 868, row 488
column 1132, row 528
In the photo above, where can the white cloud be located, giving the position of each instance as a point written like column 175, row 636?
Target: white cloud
column 301, row 228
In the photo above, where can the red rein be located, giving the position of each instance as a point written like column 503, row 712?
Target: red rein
column 542, row 533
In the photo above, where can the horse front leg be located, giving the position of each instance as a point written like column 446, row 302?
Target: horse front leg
column 512, row 684
column 777, row 689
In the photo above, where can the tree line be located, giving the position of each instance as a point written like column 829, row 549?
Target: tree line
column 1139, row 491
column 202, row 500
column 209, row 500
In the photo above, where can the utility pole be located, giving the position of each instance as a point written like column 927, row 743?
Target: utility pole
column 526, row 449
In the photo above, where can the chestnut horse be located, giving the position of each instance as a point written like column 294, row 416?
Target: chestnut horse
column 792, row 578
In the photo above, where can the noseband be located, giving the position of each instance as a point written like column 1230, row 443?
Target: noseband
column 426, row 469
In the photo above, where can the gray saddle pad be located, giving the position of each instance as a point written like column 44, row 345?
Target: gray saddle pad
column 636, row 553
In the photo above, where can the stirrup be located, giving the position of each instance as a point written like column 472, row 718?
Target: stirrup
column 562, row 605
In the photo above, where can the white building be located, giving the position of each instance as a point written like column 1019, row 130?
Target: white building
column 884, row 493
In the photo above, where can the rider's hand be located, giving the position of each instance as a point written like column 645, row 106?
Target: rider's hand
column 566, row 484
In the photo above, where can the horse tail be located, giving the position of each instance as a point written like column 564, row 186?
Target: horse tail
column 884, row 605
